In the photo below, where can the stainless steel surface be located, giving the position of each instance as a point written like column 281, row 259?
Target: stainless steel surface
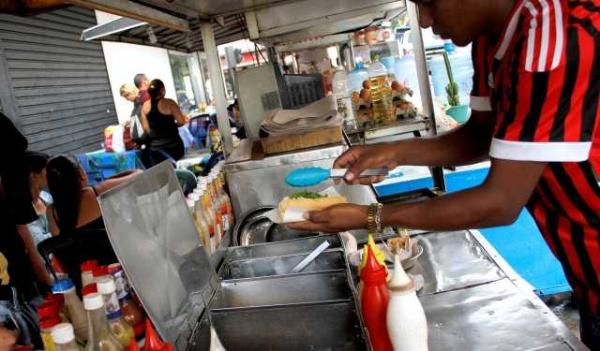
column 238, row 162
column 298, row 288
column 310, row 258
column 263, row 230
column 328, row 326
column 493, row 316
column 154, row 237
column 281, row 265
column 288, row 247
column 262, row 183
column 453, row 260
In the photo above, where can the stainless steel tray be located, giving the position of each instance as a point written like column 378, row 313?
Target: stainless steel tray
column 325, row 326
column 281, row 265
column 287, row 247
column 299, row 288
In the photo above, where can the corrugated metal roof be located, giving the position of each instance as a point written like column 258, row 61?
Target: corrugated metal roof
column 234, row 29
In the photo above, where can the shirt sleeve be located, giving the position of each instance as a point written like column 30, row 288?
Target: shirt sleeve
column 549, row 98
column 480, row 94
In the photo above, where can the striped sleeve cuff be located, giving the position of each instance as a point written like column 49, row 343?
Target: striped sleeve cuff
column 480, row 103
column 540, row 151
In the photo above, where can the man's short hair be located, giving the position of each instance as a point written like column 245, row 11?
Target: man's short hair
column 139, row 79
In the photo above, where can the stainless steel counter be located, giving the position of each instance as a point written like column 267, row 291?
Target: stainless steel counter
column 474, row 301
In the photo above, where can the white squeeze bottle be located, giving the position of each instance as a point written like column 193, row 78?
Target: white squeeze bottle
column 406, row 322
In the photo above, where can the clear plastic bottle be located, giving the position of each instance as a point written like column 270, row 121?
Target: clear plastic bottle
column 118, row 326
column 210, row 220
column 77, row 315
column 381, row 97
column 341, row 93
column 226, row 201
column 99, row 336
column 64, row 338
column 215, row 209
column 46, row 327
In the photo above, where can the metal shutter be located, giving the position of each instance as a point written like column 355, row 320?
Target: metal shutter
column 57, row 83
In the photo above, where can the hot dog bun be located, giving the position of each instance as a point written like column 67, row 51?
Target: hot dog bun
column 309, row 204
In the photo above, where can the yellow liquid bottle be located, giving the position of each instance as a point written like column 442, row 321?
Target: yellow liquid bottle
column 381, row 99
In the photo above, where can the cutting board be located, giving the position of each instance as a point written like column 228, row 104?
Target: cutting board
column 294, row 142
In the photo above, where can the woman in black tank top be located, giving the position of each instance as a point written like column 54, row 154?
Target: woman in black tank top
column 161, row 118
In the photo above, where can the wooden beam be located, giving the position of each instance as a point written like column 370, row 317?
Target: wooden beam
column 136, row 11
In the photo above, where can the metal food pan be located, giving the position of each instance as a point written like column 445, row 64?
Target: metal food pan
column 326, row 326
column 280, row 248
column 281, row 265
column 282, row 290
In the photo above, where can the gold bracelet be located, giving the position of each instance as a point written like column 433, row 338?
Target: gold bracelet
column 374, row 218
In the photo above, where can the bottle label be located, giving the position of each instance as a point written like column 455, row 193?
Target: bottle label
column 111, row 305
column 121, row 284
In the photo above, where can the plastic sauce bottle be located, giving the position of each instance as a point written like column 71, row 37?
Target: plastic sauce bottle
column 406, row 321
column 99, row 336
column 64, row 338
column 374, row 300
column 118, row 326
column 381, row 99
column 74, row 307
column 87, row 268
column 341, row 93
column 46, row 326
column 132, row 313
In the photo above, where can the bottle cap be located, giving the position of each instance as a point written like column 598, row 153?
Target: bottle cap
column 89, row 265
column 89, row 289
column 93, row 301
column 189, row 202
column 49, row 323
column 62, row 285
column 114, row 268
column 63, row 333
column 106, row 285
column 100, row 271
column 48, row 310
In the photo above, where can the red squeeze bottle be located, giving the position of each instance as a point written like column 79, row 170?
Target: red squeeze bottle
column 374, row 300
column 153, row 342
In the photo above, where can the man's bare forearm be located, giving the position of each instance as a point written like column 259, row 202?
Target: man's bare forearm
column 466, row 144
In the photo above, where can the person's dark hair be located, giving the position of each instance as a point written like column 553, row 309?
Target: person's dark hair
column 156, row 85
column 235, row 104
column 36, row 161
column 138, row 79
column 64, row 183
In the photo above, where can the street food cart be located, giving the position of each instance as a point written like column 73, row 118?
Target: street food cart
column 247, row 294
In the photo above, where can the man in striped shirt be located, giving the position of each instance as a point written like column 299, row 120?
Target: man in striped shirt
column 535, row 114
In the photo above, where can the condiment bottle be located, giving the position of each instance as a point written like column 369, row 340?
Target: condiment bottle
column 64, row 338
column 381, row 99
column 100, row 272
column 99, row 336
column 118, row 326
column 132, row 314
column 406, row 321
column 46, row 326
column 87, row 268
column 379, row 254
column 374, row 300
column 74, row 307
column 153, row 342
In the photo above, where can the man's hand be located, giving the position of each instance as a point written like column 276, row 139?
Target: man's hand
column 334, row 219
column 8, row 338
column 359, row 158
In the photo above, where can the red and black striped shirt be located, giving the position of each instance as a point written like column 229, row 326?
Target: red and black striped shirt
column 541, row 80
